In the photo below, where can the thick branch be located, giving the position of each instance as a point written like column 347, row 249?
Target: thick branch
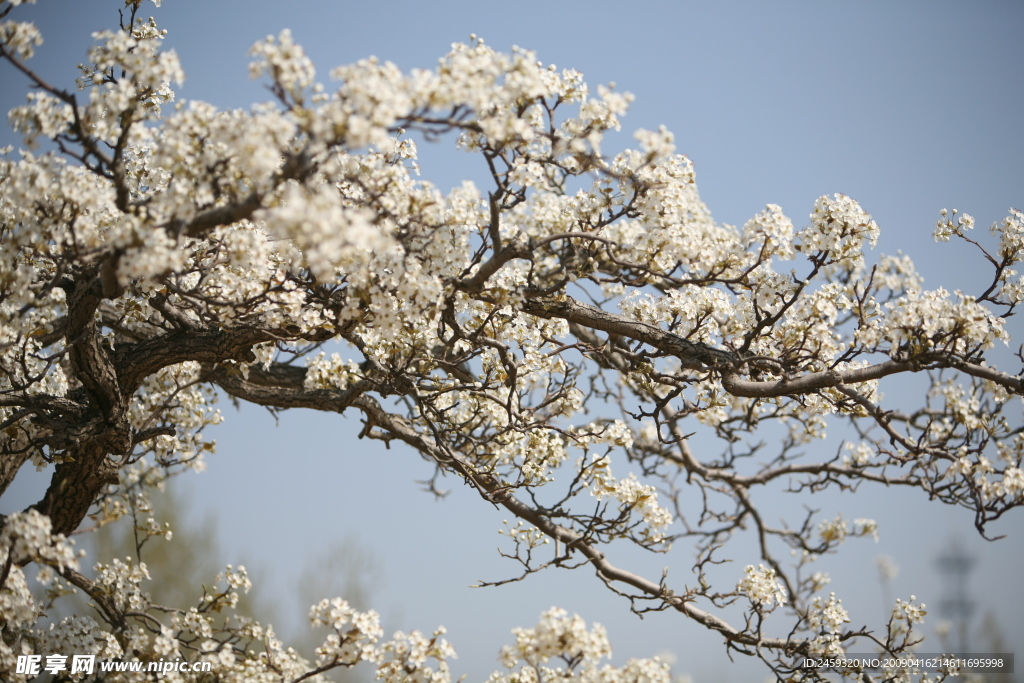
column 138, row 361
column 74, row 486
column 10, row 463
column 206, row 221
column 694, row 355
column 700, row 356
column 92, row 364
column 281, row 386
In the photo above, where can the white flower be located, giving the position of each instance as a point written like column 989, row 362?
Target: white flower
column 27, row 536
column 827, row 617
column 20, row 38
column 839, row 228
column 761, row 586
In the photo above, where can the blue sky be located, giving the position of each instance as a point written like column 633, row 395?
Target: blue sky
column 908, row 107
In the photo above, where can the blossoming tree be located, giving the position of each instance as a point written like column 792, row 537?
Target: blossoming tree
column 581, row 311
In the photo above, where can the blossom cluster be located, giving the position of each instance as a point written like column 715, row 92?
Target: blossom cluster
column 632, row 495
column 835, row 531
column 353, row 634
column 839, row 228
column 540, row 655
column 825, row 620
column 761, row 585
column 27, row 537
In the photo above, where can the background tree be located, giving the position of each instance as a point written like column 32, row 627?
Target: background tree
column 584, row 313
column 179, row 570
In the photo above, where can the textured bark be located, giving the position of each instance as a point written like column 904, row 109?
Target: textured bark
column 136, row 362
column 74, row 486
column 694, row 355
column 86, row 434
column 10, row 463
column 281, row 386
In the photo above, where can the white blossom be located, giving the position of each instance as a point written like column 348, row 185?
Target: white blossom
column 761, row 586
column 579, row 309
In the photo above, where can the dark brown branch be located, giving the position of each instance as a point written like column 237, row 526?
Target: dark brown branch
column 694, row 355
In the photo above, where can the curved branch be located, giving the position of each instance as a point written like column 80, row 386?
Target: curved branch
column 694, row 355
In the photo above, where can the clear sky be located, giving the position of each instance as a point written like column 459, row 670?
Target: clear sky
column 908, row 107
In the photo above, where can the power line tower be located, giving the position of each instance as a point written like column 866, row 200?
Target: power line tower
column 955, row 565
